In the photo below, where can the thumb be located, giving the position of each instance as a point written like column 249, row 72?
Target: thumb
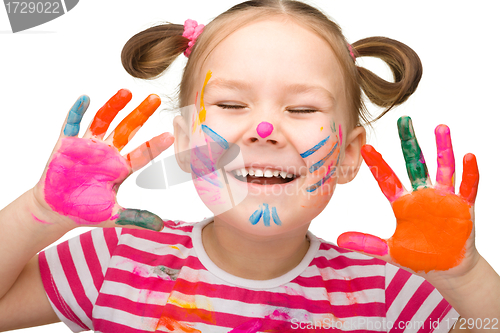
column 365, row 243
column 135, row 219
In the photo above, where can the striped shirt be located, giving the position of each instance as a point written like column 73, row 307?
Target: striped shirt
column 128, row 280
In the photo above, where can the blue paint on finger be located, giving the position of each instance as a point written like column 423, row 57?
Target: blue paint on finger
column 75, row 116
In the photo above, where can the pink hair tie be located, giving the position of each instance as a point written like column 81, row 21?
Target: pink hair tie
column 191, row 31
column 351, row 52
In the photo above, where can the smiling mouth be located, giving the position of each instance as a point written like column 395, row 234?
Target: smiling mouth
column 263, row 176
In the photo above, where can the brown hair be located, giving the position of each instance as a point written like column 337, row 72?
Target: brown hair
column 149, row 53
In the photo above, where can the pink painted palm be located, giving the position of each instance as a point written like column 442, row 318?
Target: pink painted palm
column 81, row 179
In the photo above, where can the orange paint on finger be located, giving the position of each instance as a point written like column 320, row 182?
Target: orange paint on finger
column 386, row 178
column 134, row 121
column 146, row 152
column 432, row 229
column 108, row 112
column 470, row 179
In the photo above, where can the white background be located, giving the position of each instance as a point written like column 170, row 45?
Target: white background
column 45, row 69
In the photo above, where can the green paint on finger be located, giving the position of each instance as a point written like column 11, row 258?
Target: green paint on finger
column 140, row 218
column 415, row 162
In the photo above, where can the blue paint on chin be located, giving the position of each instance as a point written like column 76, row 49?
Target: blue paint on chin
column 315, row 148
column 255, row 217
column 75, row 116
column 266, row 216
column 276, row 218
column 264, row 213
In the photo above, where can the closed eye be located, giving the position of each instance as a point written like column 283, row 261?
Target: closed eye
column 231, row 106
column 302, row 110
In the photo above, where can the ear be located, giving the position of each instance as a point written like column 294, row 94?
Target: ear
column 181, row 143
column 351, row 162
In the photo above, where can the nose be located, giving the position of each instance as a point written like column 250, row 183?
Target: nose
column 264, row 133
column 264, row 129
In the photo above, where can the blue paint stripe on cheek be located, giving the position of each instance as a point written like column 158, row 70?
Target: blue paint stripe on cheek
column 207, row 162
column 214, row 136
column 266, row 216
column 315, row 148
column 276, row 218
column 317, row 185
column 320, row 163
column 255, row 217
column 75, row 116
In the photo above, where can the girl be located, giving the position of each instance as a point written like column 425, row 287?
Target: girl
column 253, row 267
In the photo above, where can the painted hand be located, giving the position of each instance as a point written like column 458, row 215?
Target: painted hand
column 434, row 225
column 83, row 175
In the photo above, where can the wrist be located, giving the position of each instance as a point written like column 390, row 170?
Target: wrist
column 474, row 294
column 35, row 220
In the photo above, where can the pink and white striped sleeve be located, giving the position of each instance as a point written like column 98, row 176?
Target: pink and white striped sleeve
column 73, row 272
column 414, row 305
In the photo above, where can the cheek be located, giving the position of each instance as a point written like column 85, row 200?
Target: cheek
column 321, row 159
column 209, row 153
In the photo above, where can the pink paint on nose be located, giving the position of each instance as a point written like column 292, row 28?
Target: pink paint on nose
column 264, row 129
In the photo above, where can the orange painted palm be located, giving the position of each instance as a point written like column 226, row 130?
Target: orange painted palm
column 434, row 225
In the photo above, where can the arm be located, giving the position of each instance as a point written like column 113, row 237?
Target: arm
column 77, row 188
column 23, row 302
column 434, row 237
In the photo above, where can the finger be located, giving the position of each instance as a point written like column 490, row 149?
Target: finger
column 107, row 113
column 127, row 128
column 386, row 178
column 445, row 176
column 365, row 243
column 75, row 115
column 146, row 152
column 138, row 218
column 415, row 163
column 470, row 179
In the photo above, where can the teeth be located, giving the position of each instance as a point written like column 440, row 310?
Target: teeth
column 262, row 173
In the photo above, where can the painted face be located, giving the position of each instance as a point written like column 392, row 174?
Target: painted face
column 272, row 92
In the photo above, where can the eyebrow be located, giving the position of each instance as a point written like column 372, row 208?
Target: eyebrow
column 295, row 88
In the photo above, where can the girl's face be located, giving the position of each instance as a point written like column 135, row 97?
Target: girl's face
column 269, row 138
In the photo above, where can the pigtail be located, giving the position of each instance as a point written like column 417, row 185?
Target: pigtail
column 404, row 64
column 149, row 53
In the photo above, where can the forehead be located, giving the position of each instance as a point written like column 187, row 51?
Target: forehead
column 276, row 52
